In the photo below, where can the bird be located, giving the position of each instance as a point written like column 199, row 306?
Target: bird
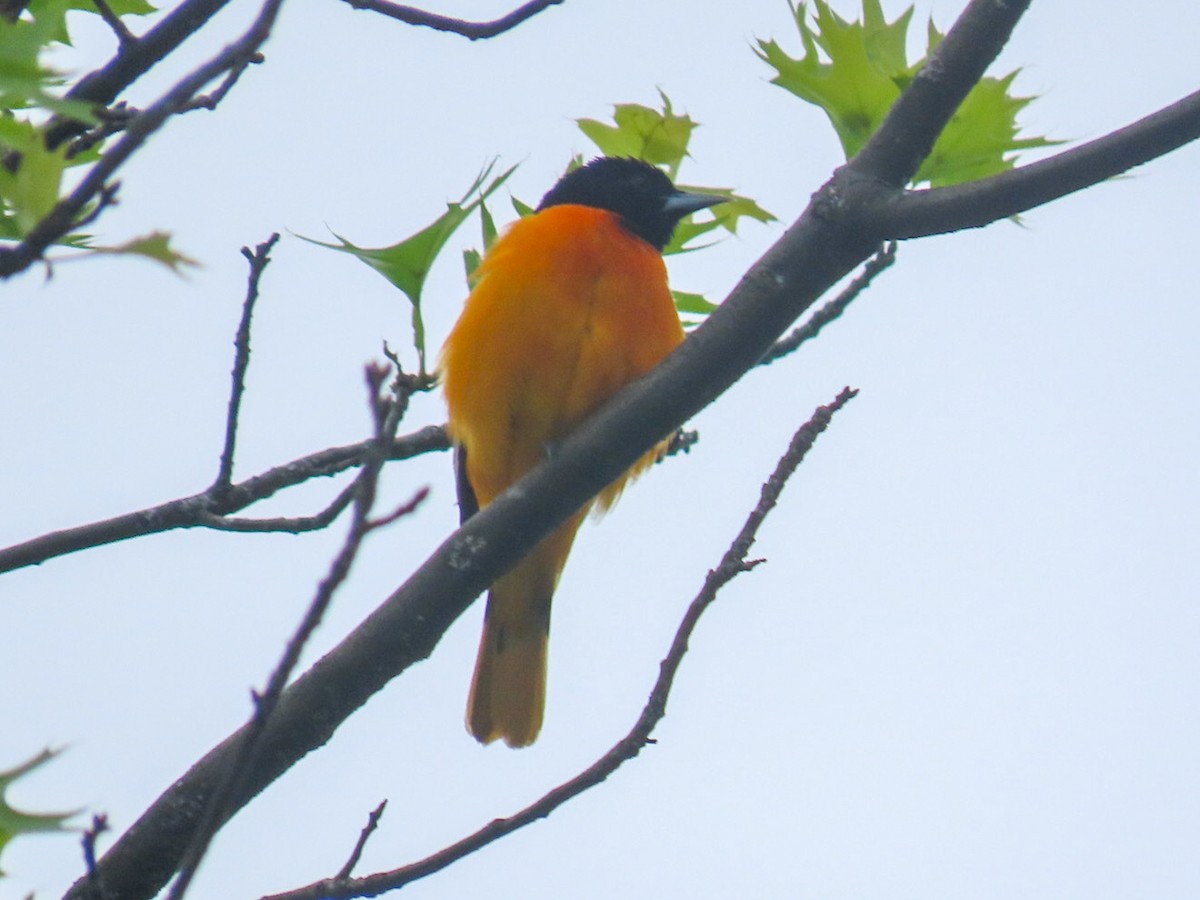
column 569, row 305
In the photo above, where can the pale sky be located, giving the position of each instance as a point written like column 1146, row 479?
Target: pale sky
column 969, row 667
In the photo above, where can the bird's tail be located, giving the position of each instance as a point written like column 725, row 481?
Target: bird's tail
column 508, row 691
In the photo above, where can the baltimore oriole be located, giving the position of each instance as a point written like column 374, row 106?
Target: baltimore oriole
column 569, row 305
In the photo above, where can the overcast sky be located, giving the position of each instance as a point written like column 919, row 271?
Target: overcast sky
column 969, row 668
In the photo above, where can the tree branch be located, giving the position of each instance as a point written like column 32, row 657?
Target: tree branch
column 912, row 214
column 259, row 259
column 113, row 21
column 66, row 213
column 473, row 30
column 733, row 563
column 832, row 310
column 198, row 510
column 134, row 59
column 361, row 843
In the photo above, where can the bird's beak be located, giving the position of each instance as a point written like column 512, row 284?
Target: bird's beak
column 681, row 203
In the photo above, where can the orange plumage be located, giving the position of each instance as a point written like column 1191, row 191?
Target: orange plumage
column 569, row 306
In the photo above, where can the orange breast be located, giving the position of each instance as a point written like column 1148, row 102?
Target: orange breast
column 568, row 308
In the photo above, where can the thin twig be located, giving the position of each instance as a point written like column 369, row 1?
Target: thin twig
column 386, row 415
column 211, row 100
column 259, row 259
column 124, row 35
column 90, row 836
column 364, row 836
column 732, row 564
column 401, row 511
column 112, row 121
column 288, row 524
column 473, row 30
column 834, row 308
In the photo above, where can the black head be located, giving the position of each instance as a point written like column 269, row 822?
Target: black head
column 647, row 202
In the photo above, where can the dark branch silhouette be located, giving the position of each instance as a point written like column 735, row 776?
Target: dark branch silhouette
column 475, row 31
column 204, row 510
column 259, row 259
column 361, row 843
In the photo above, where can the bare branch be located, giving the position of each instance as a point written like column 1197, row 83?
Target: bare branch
column 403, row 511
column 90, row 836
column 473, row 30
column 124, row 35
column 833, row 309
column 259, row 259
column 210, row 101
column 198, row 510
column 288, row 524
column 732, row 564
column 368, row 830
column 133, row 60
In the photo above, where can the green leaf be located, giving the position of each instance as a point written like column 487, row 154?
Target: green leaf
column 30, row 175
column 471, row 260
column 661, row 137
column 487, row 225
column 727, row 215
column 658, row 137
column 13, row 822
column 23, row 78
column 156, row 246
column 24, row 81
column 693, row 304
column 981, row 136
column 472, row 257
column 406, row 264
column 863, row 76
column 522, row 209
column 854, row 71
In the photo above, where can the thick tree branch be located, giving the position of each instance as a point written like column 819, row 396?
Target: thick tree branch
column 912, row 214
column 473, row 30
column 733, row 563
